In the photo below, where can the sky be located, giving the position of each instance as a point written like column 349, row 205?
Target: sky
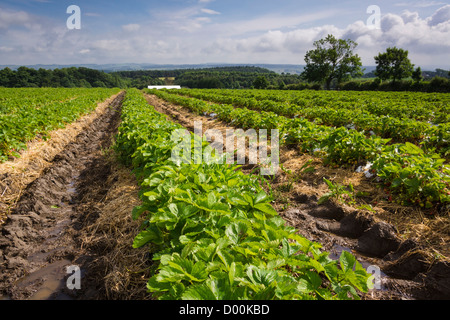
column 217, row 31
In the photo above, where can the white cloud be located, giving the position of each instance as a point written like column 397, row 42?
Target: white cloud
column 110, row 44
column 440, row 16
column 209, row 11
column 13, row 18
column 6, row 49
column 426, row 39
column 131, row 27
column 171, row 22
column 410, row 17
column 92, row 14
column 203, row 19
column 391, row 21
column 271, row 22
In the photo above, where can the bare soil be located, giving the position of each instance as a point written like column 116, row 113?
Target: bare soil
column 413, row 266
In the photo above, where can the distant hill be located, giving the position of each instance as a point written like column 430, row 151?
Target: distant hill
column 225, row 76
column 278, row 68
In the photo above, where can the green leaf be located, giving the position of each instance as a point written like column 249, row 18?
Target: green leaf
column 205, row 252
column 165, row 218
column 173, row 209
column 212, row 200
column 324, row 198
column 199, row 292
column 154, row 285
column 287, row 249
column 310, row 281
column 260, row 276
column 260, row 197
column 232, row 182
column 137, row 211
column 347, row 261
column 413, row 183
column 266, row 208
column 236, row 231
column 412, row 149
column 237, row 200
column 232, row 273
column 151, row 234
column 179, row 268
column 226, row 258
column 274, row 264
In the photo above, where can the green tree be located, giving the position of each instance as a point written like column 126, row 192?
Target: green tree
column 43, row 77
column 332, row 59
column 99, row 84
column 6, row 77
column 393, row 64
column 23, row 77
column 261, row 82
column 417, row 75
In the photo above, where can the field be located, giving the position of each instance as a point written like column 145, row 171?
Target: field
column 87, row 179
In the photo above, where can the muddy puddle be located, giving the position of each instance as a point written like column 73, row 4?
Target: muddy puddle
column 39, row 245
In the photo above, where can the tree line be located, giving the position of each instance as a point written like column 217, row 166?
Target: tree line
column 235, row 77
column 65, row 77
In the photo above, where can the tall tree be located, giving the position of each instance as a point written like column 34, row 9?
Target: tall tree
column 261, row 82
column 393, row 64
column 417, row 75
column 332, row 59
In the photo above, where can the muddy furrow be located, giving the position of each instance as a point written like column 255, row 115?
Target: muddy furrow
column 408, row 269
column 40, row 238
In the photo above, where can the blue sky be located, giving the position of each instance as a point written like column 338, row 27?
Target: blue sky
column 213, row 31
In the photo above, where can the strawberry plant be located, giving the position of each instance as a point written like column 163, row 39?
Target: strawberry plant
column 415, row 176
column 351, row 146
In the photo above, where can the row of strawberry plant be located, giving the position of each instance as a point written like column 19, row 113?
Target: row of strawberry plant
column 211, row 229
column 416, row 177
column 25, row 115
column 419, row 106
column 430, row 136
